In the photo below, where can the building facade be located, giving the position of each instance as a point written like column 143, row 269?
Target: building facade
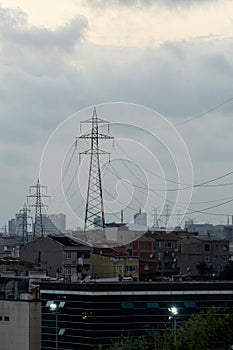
column 203, row 255
column 157, row 252
column 59, row 256
column 95, row 314
column 20, row 325
column 110, row 263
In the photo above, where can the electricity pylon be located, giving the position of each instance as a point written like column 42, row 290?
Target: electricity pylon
column 38, row 227
column 94, row 212
column 24, row 224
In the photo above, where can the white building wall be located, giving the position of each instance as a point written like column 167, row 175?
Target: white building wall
column 20, row 325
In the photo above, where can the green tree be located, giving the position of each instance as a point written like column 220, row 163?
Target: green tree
column 129, row 343
column 206, row 331
column 227, row 273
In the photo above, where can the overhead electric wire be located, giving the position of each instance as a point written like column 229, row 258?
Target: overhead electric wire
column 187, row 186
column 204, row 113
column 192, row 211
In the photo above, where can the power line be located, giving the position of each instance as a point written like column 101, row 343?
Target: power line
column 204, row 113
column 187, row 186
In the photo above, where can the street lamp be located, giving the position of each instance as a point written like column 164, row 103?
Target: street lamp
column 54, row 307
column 174, row 312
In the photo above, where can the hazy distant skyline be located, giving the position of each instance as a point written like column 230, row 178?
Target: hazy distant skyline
column 175, row 57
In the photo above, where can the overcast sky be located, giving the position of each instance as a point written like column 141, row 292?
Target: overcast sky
column 175, row 57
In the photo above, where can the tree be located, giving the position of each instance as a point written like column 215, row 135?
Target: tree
column 206, row 331
column 227, row 273
column 129, row 343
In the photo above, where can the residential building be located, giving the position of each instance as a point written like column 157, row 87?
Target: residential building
column 15, row 265
column 112, row 263
column 202, row 255
column 157, row 252
column 59, row 256
column 167, row 254
column 145, row 247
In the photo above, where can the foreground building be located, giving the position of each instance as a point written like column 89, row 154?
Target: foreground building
column 87, row 315
column 93, row 314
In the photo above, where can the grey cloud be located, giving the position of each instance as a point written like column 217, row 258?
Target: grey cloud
column 38, row 90
column 14, row 28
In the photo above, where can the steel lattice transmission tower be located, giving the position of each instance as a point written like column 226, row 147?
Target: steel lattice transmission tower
column 38, row 229
column 94, row 212
column 25, row 224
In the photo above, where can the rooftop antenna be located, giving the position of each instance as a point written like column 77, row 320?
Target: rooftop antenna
column 94, row 201
column 122, row 216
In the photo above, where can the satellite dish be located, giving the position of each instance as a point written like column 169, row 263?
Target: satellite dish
column 74, row 278
column 86, row 279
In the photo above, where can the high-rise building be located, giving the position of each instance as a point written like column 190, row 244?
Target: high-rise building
column 12, row 227
column 140, row 218
column 19, row 224
column 59, row 221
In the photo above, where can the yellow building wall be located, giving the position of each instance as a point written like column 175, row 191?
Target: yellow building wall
column 109, row 267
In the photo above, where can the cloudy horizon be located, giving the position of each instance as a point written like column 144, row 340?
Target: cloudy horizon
column 174, row 57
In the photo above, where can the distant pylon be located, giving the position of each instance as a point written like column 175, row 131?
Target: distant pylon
column 94, row 212
column 38, row 228
column 167, row 214
column 25, row 217
column 155, row 218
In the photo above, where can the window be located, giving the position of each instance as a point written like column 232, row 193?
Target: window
column 0, row 318
column 160, row 255
column 207, row 247
column 207, row 258
column 127, row 305
column 225, row 258
column 131, row 268
column 190, row 304
column 119, row 268
column 68, row 255
column 146, row 267
column 6, row 318
column 68, row 270
column 152, row 305
column 61, row 331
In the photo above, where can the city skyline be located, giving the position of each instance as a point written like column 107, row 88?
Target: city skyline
column 161, row 55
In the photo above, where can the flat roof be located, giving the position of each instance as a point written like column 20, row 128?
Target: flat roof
column 142, row 287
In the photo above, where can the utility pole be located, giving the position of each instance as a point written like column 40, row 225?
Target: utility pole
column 94, row 201
column 38, row 229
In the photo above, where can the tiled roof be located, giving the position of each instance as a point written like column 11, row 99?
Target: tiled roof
column 66, row 241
